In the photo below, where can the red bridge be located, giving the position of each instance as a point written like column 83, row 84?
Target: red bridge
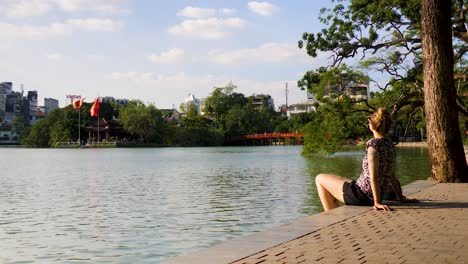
column 267, row 139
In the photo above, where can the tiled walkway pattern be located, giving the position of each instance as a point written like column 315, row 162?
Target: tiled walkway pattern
column 432, row 231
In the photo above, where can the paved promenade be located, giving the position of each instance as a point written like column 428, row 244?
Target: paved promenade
column 432, row 231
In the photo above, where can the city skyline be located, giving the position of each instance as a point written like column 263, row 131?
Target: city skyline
column 157, row 52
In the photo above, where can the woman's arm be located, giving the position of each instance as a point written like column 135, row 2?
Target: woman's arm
column 373, row 162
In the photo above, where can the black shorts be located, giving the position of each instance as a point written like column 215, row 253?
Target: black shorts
column 353, row 195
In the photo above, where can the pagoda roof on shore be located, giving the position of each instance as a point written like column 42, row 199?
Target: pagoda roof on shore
column 103, row 125
column 101, row 122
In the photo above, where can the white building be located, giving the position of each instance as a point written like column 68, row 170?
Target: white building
column 192, row 100
column 304, row 107
column 358, row 93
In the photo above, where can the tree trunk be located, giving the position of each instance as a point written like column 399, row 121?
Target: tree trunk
column 443, row 132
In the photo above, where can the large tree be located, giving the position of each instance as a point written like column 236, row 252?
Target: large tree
column 220, row 101
column 141, row 120
column 444, row 140
column 386, row 35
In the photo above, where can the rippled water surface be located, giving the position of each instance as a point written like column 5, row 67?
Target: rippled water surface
column 146, row 205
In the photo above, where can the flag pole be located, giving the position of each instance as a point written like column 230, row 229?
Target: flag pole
column 79, row 122
column 98, row 122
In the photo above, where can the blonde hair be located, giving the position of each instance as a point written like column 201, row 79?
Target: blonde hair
column 381, row 120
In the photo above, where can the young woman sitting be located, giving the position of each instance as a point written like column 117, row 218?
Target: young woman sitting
column 378, row 170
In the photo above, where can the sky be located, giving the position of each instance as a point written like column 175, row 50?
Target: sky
column 156, row 51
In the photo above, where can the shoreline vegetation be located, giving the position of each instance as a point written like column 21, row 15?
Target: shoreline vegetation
column 334, row 125
column 151, row 145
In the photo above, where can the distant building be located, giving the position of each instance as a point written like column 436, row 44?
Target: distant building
column 311, row 97
column 6, row 87
column 32, row 98
column 13, row 106
column 305, row 107
column 50, row 104
column 171, row 115
column 110, row 99
column 40, row 113
column 358, row 93
column 191, row 100
column 24, row 108
column 7, row 135
column 262, row 100
column 122, row 101
column 283, row 110
column 5, row 90
column 103, row 131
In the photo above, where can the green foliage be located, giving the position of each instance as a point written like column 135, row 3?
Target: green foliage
column 243, row 120
column 193, row 120
column 332, row 125
column 60, row 125
column 38, row 136
column 59, row 133
column 364, row 25
column 19, row 125
column 144, row 122
column 195, row 136
column 221, row 100
column 106, row 111
column 324, row 136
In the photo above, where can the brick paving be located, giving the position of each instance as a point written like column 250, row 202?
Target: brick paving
column 432, row 231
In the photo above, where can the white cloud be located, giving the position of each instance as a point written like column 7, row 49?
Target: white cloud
column 169, row 56
column 262, row 8
column 29, row 8
column 102, row 6
column 196, row 12
column 266, row 53
column 227, row 11
column 17, row 9
column 210, row 28
column 13, row 31
column 54, row 56
column 132, row 76
column 95, row 24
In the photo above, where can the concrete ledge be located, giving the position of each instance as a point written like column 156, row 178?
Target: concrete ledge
column 417, row 186
column 242, row 247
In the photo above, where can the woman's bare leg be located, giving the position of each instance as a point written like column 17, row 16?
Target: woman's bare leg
column 330, row 189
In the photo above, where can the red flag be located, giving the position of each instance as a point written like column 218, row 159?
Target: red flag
column 77, row 103
column 95, row 108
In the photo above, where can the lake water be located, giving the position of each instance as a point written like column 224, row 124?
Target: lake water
column 148, row 204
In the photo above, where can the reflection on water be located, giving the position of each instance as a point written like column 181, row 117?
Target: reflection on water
column 145, row 205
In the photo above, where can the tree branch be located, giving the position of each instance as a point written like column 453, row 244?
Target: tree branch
column 463, row 36
column 463, row 50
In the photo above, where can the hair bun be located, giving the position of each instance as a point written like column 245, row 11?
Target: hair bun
column 382, row 120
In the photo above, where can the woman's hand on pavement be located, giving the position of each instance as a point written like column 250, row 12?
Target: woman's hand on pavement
column 384, row 207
